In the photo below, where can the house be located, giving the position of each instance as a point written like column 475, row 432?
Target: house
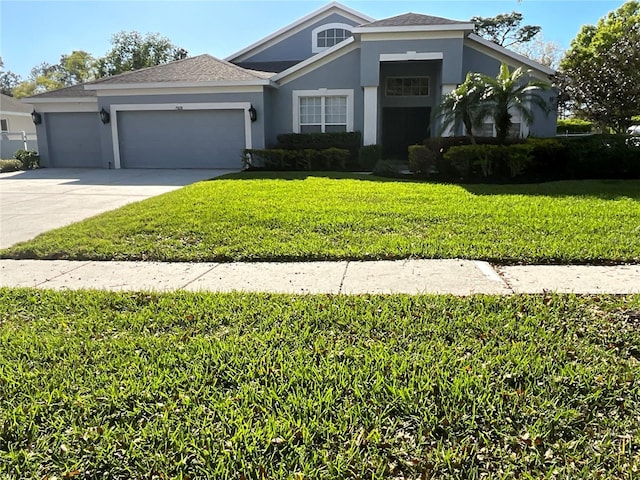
column 17, row 131
column 333, row 70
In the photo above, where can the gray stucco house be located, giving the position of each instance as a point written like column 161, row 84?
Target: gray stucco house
column 334, row 70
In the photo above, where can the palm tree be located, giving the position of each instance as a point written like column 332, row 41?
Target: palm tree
column 510, row 92
column 462, row 105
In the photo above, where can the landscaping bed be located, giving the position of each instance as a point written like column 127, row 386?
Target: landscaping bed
column 304, row 216
column 186, row 385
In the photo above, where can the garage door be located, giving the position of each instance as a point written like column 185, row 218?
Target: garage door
column 181, row 138
column 74, row 139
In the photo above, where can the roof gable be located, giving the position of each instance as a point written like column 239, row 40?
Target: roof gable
column 304, row 22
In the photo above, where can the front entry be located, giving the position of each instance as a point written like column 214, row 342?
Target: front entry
column 401, row 127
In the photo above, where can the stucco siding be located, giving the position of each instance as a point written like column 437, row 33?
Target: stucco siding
column 475, row 61
column 73, row 140
column 451, row 49
column 342, row 73
column 293, row 49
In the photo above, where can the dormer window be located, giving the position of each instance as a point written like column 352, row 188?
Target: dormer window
column 326, row 36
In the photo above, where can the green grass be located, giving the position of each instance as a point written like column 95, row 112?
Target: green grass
column 239, row 386
column 300, row 217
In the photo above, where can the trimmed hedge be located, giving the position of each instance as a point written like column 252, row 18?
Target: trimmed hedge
column 369, row 156
column 306, row 159
column 537, row 159
column 350, row 141
column 28, row 158
column 573, row 125
column 422, row 160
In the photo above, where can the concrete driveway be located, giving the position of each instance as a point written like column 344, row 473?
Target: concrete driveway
column 35, row 201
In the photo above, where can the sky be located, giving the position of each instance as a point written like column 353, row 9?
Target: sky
column 36, row 31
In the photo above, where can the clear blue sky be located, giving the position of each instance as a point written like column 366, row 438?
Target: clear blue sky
column 33, row 32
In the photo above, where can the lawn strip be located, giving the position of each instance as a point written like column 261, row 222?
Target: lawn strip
column 301, row 217
column 190, row 385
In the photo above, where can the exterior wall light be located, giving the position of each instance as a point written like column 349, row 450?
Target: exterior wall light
column 36, row 117
column 104, row 116
column 253, row 115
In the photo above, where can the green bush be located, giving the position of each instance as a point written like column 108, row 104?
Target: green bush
column 489, row 161
column 350, row 141
column 549, row 159
column 10, row 165
column 601, row 156
column 573, row 125
column 388, row 168
column 369, row 156
column 307, row 159
column 422, row 160
column 29, row 159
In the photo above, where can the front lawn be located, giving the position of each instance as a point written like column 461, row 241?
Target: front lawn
column 240, row 386
column 301, row 217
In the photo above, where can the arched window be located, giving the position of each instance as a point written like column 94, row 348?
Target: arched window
column 328, row 35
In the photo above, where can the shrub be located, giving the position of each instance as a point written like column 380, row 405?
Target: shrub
column 549, row 158
column 573, row 125
column 307, row 159
column 601, row 156
column 369, row 156
column 350, row 141
column 422, row 160
column 29, row 159
column 10, row 165
column 487, row 161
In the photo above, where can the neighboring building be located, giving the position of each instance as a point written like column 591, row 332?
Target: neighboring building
column 17, row 131
column 333, row 70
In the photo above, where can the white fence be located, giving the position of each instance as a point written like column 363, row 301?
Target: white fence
column 10, row 142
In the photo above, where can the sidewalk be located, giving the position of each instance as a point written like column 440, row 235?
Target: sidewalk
column 457, row 277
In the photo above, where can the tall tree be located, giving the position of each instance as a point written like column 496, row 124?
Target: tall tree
column 8, row 80
column 601, row 70
column 504, row 29
column 548, row 53
column 132, row 51
column 43, row 77
column 78, row 67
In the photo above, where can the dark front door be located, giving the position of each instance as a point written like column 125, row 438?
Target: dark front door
column 401, row 127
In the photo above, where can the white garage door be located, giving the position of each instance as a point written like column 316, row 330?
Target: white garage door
column 181, row 138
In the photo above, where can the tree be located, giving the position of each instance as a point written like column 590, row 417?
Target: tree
column 461, row 106
column 8, row 80
column 43, row 78
column 546, row 53
column 504, row 29
column 78, row 67
column 131, row 51
column 511, row 91
column 601, row 70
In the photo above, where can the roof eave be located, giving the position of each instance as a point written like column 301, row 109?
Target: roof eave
column 34, row 100
column 141, row 85
column 516, row 56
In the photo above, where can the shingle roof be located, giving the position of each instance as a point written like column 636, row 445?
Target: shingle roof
column 66, row 92
column 10, row 104
column 203, row 68
column 412, row 19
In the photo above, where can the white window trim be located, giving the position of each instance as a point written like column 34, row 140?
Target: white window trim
column 322, row 92
column 314, row 34
column 114, row 109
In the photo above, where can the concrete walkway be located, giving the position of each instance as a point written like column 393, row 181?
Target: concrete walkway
column 35, row 201
column 458, row 277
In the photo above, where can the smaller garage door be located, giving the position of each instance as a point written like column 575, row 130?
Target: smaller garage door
column 181, row 138
column 74, row 139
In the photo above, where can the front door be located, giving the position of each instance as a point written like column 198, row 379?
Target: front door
column 401, row 127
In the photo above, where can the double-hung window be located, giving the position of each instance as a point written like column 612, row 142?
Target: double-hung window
column 323, row 111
